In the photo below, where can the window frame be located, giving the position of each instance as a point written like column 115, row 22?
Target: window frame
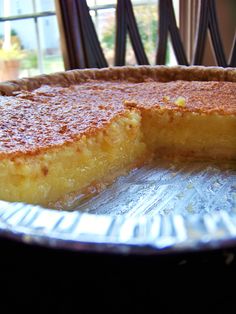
column 35, row 17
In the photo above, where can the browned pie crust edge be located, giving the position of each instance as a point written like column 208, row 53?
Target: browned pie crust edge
column 132, row 73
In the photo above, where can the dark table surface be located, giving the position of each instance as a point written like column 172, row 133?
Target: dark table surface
column 58, row 281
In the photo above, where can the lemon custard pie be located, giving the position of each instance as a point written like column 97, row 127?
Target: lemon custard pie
column 69, row 132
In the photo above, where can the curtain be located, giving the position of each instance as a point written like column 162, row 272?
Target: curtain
column 80, row 42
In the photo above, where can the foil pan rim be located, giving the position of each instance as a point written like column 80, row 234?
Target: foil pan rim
column 144, row 235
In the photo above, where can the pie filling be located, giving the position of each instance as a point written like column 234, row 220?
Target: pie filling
column 190, row 135
column 57, row 141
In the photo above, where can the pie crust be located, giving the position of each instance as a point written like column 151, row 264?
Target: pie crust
column 137, row 74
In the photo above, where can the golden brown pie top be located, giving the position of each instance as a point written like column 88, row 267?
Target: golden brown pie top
column 53, row 115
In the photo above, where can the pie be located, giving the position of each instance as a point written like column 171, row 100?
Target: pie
column 73, row 132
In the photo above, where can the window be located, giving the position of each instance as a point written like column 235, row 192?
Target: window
column 29, row 39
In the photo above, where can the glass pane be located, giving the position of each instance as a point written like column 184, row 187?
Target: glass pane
column 20, row 7
column 15, row 7
column 170, row 54
column 18, row 60
column 130, row 56
column 33, row 56
column 31, row 52
column 104, row 20
column 146, row 16
column 94, row 3
column 44, row 5
column 50, row 45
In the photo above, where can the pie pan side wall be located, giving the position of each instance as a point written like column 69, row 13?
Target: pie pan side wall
column 141, row 235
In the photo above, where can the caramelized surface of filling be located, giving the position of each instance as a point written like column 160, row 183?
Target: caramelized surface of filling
column 49, row 116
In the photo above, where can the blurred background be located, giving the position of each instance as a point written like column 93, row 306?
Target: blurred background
column 30, row 41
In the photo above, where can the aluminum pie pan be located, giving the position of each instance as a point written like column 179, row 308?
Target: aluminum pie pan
column 145, row 212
